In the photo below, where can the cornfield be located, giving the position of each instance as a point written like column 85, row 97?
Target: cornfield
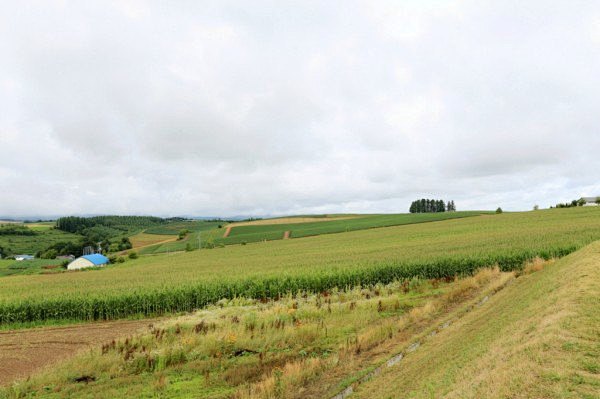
column 184, row 282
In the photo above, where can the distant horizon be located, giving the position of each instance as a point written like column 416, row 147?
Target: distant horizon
column 304, row 108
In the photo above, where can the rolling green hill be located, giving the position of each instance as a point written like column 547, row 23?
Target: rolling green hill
column 538, row 338
column 185, row 281
column 44, row 236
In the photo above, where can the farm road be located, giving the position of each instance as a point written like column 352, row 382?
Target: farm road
column 23, row 352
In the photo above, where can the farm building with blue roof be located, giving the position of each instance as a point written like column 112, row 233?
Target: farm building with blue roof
column 85, row 261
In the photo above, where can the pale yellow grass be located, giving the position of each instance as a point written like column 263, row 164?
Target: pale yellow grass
column 142, row 240
column 537, row 338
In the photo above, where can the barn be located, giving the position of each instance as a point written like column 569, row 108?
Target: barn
column 94, row 260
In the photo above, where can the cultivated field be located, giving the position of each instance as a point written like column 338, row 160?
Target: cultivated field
column 493, row 335
column 245, row 348
column 186, row 281
column 45, row 237
column 144, row 239
column 194, row 228
column 263, row 231
column 34, row 266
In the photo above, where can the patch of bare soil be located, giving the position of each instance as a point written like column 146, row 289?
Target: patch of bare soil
column 23, row 352
column 227, row 231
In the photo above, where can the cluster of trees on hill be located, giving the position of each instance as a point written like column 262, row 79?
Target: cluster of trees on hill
column 75, row 224
column 16, row 230
column 431, row 206
column 106, row 232
column 577, row 202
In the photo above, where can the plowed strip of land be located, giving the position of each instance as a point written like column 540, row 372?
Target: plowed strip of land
column 227, row 231
column 23, row 352
column 286, row 235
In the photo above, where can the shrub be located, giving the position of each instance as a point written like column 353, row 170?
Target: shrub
column 113, row 259
column 121, row 259
column 50, row 254
column 133, row 255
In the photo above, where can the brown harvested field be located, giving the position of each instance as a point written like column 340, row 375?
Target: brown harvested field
column 23, row 352
column 292, row 220
column 144, row 239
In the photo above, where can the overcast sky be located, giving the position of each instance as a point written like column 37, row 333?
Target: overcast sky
column 279, row 107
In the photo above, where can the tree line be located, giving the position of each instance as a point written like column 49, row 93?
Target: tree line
column 76, row 224
column 575, row 202
column 431, row 206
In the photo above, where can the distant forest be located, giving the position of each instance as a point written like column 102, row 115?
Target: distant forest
column 431, row 206
column 75, row 224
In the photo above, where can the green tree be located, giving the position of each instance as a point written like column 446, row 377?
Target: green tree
column 499, row 210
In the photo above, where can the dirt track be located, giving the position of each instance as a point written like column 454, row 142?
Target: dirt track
column 23, row 352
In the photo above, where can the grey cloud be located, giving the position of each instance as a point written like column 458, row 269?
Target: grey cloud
column 284, row 107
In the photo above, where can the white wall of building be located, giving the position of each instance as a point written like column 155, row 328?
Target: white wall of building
column 79, row 263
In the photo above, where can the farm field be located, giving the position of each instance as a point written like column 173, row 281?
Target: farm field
column 45, row 237
column 186, row 281
column 197, row 227
column 34, row 266
column 228, row 350
column 425, row 338
column 145, row 239
column 304, row 227
column 23, row 352
column 274, row 229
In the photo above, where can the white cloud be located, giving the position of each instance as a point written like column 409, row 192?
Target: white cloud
column 216, row 108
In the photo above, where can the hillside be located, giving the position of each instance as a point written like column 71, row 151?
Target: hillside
column 493, row 335
column 186, row 281
column 42, row 236
column 537, row 338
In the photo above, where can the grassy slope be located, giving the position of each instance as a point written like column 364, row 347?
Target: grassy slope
column 261, row 231
column 195, row 228
column 34, row 266
column 31, row 244
column 538, row 338
column 304, row 334
column 468, row 237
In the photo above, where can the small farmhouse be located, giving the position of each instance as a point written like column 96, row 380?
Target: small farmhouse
column 589, row 201
column 24, row 257
column 94, row 260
